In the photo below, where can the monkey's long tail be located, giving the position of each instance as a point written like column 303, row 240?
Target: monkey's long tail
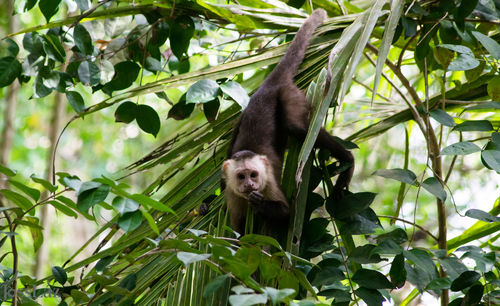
column 295, row 53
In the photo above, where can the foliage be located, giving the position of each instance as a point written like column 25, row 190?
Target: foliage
column 162, row 251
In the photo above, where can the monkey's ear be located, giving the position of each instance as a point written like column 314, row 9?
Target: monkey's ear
column 264, row 159
column 225, row 167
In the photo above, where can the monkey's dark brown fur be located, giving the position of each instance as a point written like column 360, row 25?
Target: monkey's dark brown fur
column 277, row 109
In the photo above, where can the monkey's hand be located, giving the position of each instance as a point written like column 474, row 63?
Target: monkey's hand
column 203, row 210
column 255, row 198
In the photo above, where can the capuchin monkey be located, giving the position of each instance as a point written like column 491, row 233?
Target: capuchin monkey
column 278, row 109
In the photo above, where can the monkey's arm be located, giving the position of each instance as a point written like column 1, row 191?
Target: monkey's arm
column 270, row 209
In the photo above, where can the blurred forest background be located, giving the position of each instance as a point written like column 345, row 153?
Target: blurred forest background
column 140, row 98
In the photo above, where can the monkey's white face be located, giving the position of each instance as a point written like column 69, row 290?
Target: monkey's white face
column 247, row 175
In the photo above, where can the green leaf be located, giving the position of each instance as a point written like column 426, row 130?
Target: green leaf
column 490, row 105
column 151, row 221
column 481, row 215
column 76, row 101
column 236, row 92
column 125, row 75
column 464, row 10
column 82, row 39
column 147, row 119
column 488, row 43
column 492, row 159
column 351, row 204
column 202, row 91
column 32, row 192
column 364, row 255
column 181, row 31
column 214, row 285
column 439, row 284
column 466, row 279
column 104, row 263
column 371, row 279
column 7, row 171
column 130, row 221
column 402, row 175
column 422, row 260
column 276, row 295
column 89, row 74
column 161, row 30
column 397, row 235
column 63, row 208
column 460, row 148
column 247, row 299
column 126, row 112
column 92, row 196
column 124, row 206
column 149, row 202
column 46, row 184
column 474, row 125
column 397, row 272
column 152, row 64
column 463, row 62
column 211, row 110
column 18, row 199
column 83, row 5
column 59, row 275
column 13, row 48
column 433, row 185
column 30, row 224
column 442, row 117
column 188, row 258
column 457, row 48
column 181, row 110
column 370, row 296
column 49, row 8
column 10, row 69
column 53, row 47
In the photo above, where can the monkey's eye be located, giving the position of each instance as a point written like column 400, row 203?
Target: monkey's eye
column 253, row 174
column 241, row 176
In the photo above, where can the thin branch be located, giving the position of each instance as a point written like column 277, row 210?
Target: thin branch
column 411, row 223
column 15, row 255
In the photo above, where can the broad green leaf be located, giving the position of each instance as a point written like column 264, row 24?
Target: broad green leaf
column 460, row 148
column 371, row 297
column 32, row 192
column 474, row 125
column 458, row 48
column 91, row 197
column 202, row 91
column 88, row 186
column 152, row 64
column 215, row 285
column 46, row 184
column 89, row 73
column 10, row 69
column 463, row 62
column 442, row 117
column 82, row 39
column 466, row 279
column 423, row 260
column 481, row 215
column 181, row 31
column 53, row 47
column 17, row 198
column 63, row 208
column 7, row 171
column 161, row 30
column 59, row 275
column 247, row 299
column 397, row 235
column 484, row 106
column 371, row 279
column 364, row 255
column 397, row 272
column 126, row 112
column 103, row 264
column 276, row 295
column 236, row 92
column 452, row 266
column 49, row 8
column 439, row 284
column 13, row 48
column 124, row 205
column 125, row 75
column 388, row 247
column 493, row 88
column 30, row 224
column 488, row 43
column 351, row 204
column 433, row 185
column 147, row 119
column 181, row 110
column 211, row 110
column 492, row 159
column 464, row 10
column 149, row 202
column 363, row 223
column 188, row 258
column 130, row 221
column 76, row 101
column 402, row 175
column 72, row 182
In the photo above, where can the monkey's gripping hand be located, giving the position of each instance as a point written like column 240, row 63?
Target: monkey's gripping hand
column 268, row 208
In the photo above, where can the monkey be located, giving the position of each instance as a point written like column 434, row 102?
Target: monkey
column 252, row 170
